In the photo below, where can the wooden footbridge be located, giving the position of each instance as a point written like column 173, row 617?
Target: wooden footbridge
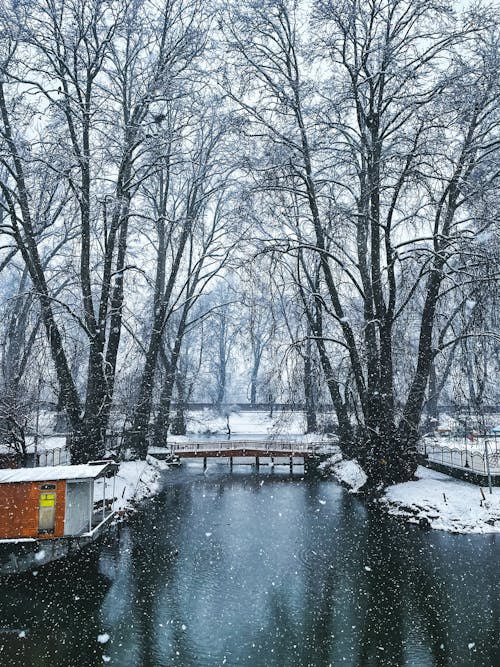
column 284, row 451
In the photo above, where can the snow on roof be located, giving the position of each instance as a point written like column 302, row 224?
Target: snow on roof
column 53, row 473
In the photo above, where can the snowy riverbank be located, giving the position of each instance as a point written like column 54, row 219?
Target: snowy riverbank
column 435, row 499
column 348, row 472
column 135, row 482
column 446, row 503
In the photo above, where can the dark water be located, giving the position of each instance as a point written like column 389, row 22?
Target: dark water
column 262, row 570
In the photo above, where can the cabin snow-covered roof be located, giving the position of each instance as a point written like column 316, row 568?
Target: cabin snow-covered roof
column 53, row 473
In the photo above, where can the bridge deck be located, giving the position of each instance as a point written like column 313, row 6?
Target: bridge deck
column 242, row 448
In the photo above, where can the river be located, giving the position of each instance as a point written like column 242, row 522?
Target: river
column 261, row 569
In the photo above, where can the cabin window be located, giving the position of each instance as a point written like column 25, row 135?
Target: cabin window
column 47, row 513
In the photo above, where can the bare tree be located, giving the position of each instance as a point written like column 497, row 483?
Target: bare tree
column 101, row 71
column 387, row 199
column 193, row 245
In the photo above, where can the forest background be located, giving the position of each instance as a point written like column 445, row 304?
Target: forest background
column 281, row 201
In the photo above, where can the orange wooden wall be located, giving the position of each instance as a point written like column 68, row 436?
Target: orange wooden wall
column 19, row 504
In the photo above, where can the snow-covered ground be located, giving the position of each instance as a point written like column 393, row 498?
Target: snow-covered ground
column 348, row 472
column 246, row 422
column 251, row 423
column 457, row 424
column 46, row 442
column 444, row 502
column 135, row 481
column 351, row 474
column 447, row 504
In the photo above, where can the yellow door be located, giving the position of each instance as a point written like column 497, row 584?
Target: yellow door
column 47, row 513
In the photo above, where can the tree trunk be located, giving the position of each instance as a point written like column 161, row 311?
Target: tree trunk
column 179, row 423
column 139, row 435
column 309, row 390
column 254, row 377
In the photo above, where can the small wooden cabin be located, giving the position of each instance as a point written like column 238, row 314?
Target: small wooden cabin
column 55, row 502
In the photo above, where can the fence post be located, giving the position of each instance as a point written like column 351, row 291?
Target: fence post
column 487, row 457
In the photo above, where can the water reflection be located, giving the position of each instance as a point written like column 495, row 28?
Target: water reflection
column 264, row 570
column 52, row 617
column 272, row 571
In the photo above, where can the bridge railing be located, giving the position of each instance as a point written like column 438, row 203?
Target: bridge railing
column 467, row 458
column 253, row 445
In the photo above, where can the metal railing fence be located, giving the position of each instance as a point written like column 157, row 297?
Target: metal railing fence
column 250, row 445
column 468, row 458
column 58, row 456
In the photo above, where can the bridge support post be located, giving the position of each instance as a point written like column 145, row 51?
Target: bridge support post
column 311, row 464
column 204, row 463
column 231, row 463
column 257, row 462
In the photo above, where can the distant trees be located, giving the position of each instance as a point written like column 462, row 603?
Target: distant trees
column 258, row 325
column 194, row 231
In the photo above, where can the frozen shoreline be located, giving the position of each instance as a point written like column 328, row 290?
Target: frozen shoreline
column 135, row 482
column 433, row 499
column 446, row 503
